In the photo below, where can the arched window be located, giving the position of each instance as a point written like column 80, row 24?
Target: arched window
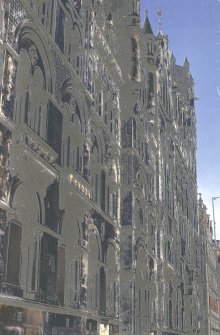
column 32, row 97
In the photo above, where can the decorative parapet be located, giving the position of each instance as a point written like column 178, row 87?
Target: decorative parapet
column 81, row 185
column 41, row 148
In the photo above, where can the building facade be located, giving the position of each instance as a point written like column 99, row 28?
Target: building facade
column 210, row 287
column 218, row 274
column 99, row 221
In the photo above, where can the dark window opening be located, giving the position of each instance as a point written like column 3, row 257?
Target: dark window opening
column 27, row 108
column 102, row 291
column 102, row 190
column 55, row 124
column 59, row 32
column 111, row 122
column 39, row 122
column 114, row 205
column 48, row 269
column 43, row 13
column 96, row 187
column 51, row 202
column 78, row 160
column 108, row 199
column 127, row 209
column 68, row 151
column 76, row 281
column 14, row 254
column 134, row 132
column 170, row 314
column 60, row 278
column 150, row 89
column 33, row 277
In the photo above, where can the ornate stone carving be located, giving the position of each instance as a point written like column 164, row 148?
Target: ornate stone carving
column 33, row 55
column 77, row 4
column 8, row 90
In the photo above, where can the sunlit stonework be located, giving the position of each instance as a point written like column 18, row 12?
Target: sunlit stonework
column 99, row 224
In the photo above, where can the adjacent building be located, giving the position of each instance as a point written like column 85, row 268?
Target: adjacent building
column 210, row 281
column 218, row 273
column 99, row 230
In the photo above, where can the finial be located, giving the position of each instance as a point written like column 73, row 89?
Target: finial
column 146, row 12
column 159, row 14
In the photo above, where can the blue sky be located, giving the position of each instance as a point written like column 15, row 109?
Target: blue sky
column 193, row 27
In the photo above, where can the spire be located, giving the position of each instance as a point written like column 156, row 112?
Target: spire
column 186, row 62
column 147, row 26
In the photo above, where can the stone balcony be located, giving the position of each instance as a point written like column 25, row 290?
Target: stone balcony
column 80, row 184
column 40, row 147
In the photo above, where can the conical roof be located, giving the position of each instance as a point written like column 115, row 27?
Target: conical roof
column 147, row 26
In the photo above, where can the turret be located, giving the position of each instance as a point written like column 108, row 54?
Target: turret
column 127, row 31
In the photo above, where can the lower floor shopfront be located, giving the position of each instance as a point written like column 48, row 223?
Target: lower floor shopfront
column 25, row 321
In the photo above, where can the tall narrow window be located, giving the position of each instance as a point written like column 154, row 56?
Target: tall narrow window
column 51, row 15
column 73, row 159
column 51, row 202
column 48, row 268
column 111, row 122
column 33, row 277
column 114, row 204
column 108, row 199
column 77, row 159
column 43, row 13
column 39, row 121
column 145, row 301
column 60, row 275
column 139, row 302
column 55, row 124
column 100, row 103
column 106, row 112
column 134, row 132
column 68, row 152
column 114, row 297
column 96, row 290
column 141, row 217
column 76, row 281
column 96, row 187
column 59, row 32
column 170, row 314
column 14, row 254
column 27, row 108
column 150, row 89
column 102, row 290
column 103, row 190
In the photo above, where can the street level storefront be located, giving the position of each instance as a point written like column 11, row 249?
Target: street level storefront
column 21, row 321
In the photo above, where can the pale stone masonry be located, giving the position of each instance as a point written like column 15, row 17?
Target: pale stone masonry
column 99, row 230
column 210, row 274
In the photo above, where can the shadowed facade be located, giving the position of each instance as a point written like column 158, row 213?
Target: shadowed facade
column 99, row 230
